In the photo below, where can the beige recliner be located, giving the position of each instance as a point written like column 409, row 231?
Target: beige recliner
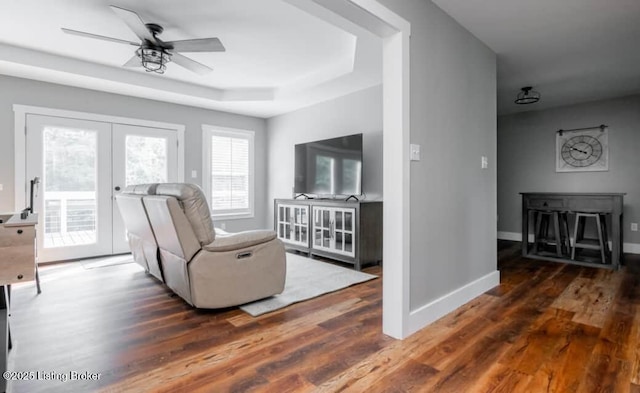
column 205, row 268
column 142, row 241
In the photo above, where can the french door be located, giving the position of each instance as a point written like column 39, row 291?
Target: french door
column 140, row 155
column 81, row 165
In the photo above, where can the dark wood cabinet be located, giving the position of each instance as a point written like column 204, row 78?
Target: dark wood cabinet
column 349, row 232
column 610, row 204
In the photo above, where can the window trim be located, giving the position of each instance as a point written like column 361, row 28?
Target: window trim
column 207, row 132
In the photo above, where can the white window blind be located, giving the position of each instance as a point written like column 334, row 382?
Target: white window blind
column 230, row 171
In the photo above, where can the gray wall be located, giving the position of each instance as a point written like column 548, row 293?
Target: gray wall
column 526, row 157
column 359, row 112
column 35, row 93
column 453, row 118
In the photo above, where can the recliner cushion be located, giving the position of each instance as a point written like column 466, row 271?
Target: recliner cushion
column 195, row 207
column 236, row 241
column 173, row 231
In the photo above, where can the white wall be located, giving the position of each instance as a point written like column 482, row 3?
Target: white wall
column 35, row 93
column 526, row 157
column 360, row 112
column 453, row 200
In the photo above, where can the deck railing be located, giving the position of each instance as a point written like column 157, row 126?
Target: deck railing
column 69, row 211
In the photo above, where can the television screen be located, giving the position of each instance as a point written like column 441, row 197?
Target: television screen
column 329, row 167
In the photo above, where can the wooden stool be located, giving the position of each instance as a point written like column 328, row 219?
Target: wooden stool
column 601, row 243
column 560, row 224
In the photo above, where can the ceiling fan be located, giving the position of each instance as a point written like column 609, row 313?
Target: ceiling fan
column 153, row 54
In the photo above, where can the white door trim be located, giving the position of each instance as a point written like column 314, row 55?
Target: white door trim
column 395, row 32
column 20, row 126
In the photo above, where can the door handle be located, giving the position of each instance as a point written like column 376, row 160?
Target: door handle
column 117, row 188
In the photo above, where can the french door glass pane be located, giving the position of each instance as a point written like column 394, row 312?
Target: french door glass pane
column 146, row 160
column 69, row 186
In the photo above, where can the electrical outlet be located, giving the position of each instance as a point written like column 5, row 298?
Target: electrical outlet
column 634, row 226
column 223, row 225
column 1, row 187
column 194, row 174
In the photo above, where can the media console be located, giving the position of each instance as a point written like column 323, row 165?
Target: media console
column 347, row 231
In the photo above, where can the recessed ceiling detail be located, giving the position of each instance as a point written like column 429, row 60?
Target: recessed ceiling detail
column 279, row 55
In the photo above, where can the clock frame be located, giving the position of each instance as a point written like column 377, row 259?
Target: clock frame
column 582, row 150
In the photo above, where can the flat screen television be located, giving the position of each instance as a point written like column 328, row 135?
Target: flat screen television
column 329, row 167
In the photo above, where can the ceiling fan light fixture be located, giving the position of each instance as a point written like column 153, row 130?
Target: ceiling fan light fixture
column 527, row 96
column 153, row 60
column 152, row 53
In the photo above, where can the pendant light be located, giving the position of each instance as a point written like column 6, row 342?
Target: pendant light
column 527, row 96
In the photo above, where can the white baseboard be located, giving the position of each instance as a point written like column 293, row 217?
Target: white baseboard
column 440, row 307
column 513, row 236
column 631, row 248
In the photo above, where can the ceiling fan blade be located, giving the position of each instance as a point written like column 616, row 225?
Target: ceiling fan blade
column 198, row 45
column 134, row 22
column 133, row 62
column 99, row 37
column 190, row 64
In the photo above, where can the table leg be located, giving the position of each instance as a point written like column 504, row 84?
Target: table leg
column 38, row 280
column 4, row 333
column 616, row 240
column 525, row 229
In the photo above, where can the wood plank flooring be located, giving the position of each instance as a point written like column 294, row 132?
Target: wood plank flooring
column 548, row 327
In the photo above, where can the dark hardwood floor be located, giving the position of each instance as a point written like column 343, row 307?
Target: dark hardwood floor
column 548, row 327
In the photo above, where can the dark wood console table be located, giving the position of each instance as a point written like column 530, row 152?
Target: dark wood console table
column 604, row 203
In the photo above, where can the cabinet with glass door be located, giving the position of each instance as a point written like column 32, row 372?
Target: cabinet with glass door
column 292, row 224
column 333, row 230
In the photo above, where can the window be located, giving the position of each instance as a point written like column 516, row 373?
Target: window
column 228, row 171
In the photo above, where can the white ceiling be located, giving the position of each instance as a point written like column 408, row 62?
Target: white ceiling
column 570, row 51
column 281, row 54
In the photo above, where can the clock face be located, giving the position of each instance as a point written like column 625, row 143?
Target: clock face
column 581, row 151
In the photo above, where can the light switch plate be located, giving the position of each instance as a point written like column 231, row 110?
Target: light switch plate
column 484, row 162
column 194, row 174
column 634, row 226
column 415, row 152
column 1, row 187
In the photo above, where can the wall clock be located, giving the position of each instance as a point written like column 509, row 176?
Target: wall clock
column 582, row 150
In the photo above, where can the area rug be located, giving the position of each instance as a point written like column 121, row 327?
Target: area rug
column 307, row 278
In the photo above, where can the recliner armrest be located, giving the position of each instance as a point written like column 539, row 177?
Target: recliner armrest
column 240, row 240
column 220, row 231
